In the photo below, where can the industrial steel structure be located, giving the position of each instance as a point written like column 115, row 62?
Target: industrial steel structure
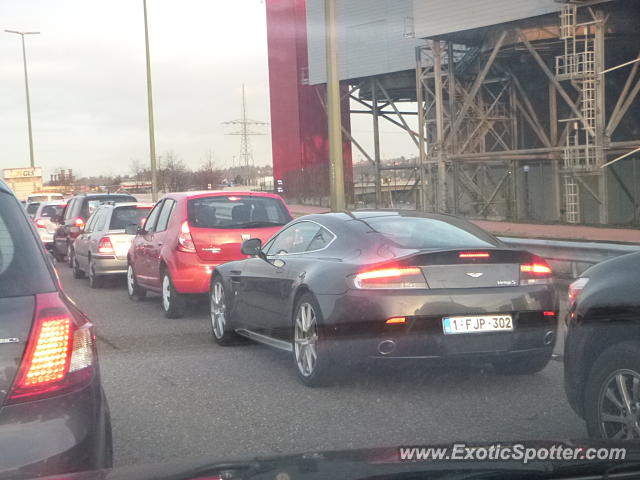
column 516, row 107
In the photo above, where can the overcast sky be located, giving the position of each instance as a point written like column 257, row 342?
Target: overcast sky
column 88, row 84
column 87, row 80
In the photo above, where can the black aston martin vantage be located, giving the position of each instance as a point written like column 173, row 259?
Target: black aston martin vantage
column 341, row 287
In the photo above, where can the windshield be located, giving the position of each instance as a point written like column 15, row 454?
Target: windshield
column 122, row 217
column 236, row 211
column 301, row 226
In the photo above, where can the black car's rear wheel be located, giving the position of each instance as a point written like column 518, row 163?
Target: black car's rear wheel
column 612, row 394
column 524, row 365
column 135, row 291
column 222, row 332
column 310, row 353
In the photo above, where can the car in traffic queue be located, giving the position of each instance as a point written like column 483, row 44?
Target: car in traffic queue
column 42, row 220
column 79, row 208
column 44, row 197
column 602, row 348
column 101, row 248
column 54, row 417
column 186, row 235
column 340, row 287
column 32, row 208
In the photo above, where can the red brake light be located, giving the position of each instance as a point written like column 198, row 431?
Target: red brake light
column 473, row 255
column 233, row 199
column 396, row 320
column 105, row 247
column 536, row 272
column 59, row 355
column 40, row 223
column 549, row 314
column 185, row 240
column 391, row 277
column 78, row 222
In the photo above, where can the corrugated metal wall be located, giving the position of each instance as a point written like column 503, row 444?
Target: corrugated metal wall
column 374, row 38
column 437, row 17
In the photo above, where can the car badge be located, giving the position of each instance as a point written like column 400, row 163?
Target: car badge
column 9, row 340
column 475, row 274
column 246, row 236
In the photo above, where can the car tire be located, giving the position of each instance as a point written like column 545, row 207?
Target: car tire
column 523, row 365
column 69, row 255
column 312, row 358
column 136, row 292
column 95, row 281
column 77, row 273
column 221, row 329
column 172, row 302
column 618, row 361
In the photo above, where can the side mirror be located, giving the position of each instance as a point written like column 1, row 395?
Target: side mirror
column 140, row 227
column 252, row 247
column 131, row 229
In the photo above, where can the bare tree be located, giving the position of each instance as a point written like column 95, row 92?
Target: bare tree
column 173, row 175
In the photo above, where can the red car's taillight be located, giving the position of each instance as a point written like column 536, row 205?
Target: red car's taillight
column 185, row 241
column 40, row 223
column 536, row 272
column 391, row 277
column 78, row 222
column 59, row 355
column 105, row 247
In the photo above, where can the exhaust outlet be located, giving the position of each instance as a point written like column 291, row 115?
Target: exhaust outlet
column 386, row 347
column 549, row 337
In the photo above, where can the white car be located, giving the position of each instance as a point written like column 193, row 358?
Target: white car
column 44, row 197
column 42, row 219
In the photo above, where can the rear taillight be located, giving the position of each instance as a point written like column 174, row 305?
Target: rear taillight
column 391, row 277
column 105, row 247
column 59, row 355
column 536, row 272
column 185, row 241
column 575, row 288
column 78, row 222
column 40, row 223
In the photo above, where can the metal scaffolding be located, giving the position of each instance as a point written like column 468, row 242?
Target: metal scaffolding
column 492, row 115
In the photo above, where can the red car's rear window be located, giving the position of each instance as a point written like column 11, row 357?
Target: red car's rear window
column 237, row 211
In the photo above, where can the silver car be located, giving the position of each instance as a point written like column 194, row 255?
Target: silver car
column 101, row 248
column 42, row 216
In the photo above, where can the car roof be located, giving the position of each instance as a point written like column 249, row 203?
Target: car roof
column 221, row 193
column 131, row 204
column 97, row 195
column 52, row 202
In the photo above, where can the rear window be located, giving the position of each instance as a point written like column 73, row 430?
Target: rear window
column 236, row 211
column 51, row 211
column 23, row 270
column 427, row 233
column 91, row 204
column 32, row 208
column 122, row 217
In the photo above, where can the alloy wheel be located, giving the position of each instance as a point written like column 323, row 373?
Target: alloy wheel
column 306, row 339
column 619, row 406
column 166, row 293
column 218, row 310
column 130, row 281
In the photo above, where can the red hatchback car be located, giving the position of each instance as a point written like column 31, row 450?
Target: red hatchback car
column 186, row 235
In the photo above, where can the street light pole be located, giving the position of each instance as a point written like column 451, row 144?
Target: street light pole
column 334, row 116
column 152, row 135
column 26, row 87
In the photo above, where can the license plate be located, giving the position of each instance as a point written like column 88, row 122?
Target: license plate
column 477, row 324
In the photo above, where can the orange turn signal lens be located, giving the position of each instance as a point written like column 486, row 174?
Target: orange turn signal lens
column 396, row 320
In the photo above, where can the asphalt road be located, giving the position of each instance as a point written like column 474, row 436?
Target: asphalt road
column 174, row 394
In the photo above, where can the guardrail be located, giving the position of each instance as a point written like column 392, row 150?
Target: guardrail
column 569, row 259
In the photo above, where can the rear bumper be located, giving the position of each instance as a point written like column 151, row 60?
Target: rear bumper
column 62, row 434
column 355, row 322
column 189, row 273
column 109, row 265
column 45, row 237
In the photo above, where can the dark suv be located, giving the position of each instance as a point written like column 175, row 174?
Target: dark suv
column 79, row 209
column 602, row 348
column 54, row 416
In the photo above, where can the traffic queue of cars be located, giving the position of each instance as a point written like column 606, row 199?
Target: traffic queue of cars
column 340, row 288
